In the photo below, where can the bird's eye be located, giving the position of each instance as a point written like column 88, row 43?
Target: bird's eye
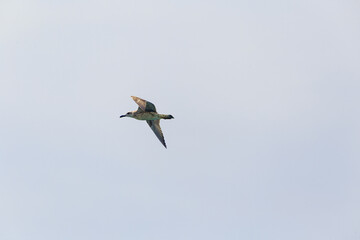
column 129, row 113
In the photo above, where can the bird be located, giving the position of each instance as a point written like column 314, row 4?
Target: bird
column 147, row 111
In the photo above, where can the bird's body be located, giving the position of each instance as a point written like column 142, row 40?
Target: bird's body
column 146, row 116
column 141, row 115
column 147, row 111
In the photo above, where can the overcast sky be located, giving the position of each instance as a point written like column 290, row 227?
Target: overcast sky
column 265, row 140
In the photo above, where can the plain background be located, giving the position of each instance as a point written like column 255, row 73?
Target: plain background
column 265, row 140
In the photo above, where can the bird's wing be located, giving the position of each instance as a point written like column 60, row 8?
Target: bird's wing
column 146, row 106
column 139, row 110
column 155, row 126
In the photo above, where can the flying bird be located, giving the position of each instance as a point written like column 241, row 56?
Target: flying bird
column 147, row 111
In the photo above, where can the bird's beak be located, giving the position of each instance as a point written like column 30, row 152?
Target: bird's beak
column 122, row 116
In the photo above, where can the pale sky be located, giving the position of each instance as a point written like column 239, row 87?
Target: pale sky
column 265, row 140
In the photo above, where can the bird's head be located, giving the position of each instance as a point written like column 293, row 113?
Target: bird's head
column 128, row 114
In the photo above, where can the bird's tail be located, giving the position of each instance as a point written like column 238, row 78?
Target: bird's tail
column 165, row 116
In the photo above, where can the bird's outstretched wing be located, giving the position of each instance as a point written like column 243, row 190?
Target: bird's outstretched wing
column 155, row 126
column 146, row 106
